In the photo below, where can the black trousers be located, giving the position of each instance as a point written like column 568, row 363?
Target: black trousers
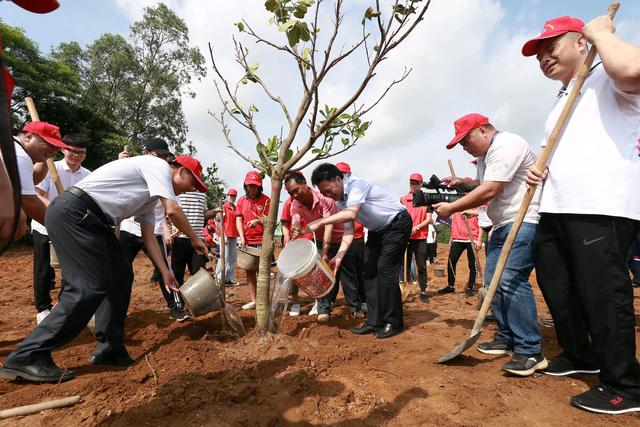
column 355, row 257
column 454, row 254
column 347, row 277
column 98, row 280
column 132, row 244
column 581, row 266
column 384, row 255
column 432, row 251
column 418, row 249
column 183, row 257
column 44, row 275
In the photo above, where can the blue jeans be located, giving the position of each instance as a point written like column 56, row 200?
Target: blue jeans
column 231, row 255
column 513, row 304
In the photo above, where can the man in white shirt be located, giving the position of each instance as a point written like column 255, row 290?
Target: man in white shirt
column 590, row 210
column 98, row 276
column 389, row 226
column 70, row 171
column 503, row 162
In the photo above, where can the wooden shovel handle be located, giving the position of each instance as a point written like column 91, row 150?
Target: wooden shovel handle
column 50, row 165
column 541, row 164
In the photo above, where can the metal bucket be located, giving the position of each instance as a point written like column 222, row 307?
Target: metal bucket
column 248, row 258
column 53, row 257
column 200, row 293
column 300, row 261
column 439, row 271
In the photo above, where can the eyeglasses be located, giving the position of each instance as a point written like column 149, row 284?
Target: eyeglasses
column 77, row 152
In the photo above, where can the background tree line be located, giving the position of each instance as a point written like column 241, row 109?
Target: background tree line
column 117, row 90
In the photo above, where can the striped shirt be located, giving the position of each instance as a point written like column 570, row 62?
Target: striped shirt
column 194, row 205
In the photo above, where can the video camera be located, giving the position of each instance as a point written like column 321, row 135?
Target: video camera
column 442, row 193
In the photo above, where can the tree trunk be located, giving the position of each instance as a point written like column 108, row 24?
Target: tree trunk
column 266, row 254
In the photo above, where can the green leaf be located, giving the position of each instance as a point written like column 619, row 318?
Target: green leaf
column 253, row 109
column 345, row 141
column 240, row 26
column 293, row 36
column 289, row 24
column 303, row 28
column 288, row 155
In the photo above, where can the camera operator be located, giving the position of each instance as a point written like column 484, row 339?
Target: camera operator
column 503, row 161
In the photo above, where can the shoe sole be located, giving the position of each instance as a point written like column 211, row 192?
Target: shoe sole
column 495, row 352
column 182, row 319
column 294, row 314
column 572, row 372
column 604, row 411
column 13, row 375
column 537, row 367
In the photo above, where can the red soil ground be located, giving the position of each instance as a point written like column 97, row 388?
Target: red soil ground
column 310, row 374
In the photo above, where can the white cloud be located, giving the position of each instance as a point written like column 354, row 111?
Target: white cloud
column 465, row 57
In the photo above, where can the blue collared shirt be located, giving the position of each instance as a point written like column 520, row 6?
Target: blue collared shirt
column 378, row 208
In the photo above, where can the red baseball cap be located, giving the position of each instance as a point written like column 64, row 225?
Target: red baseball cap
column 343, row 167
column 232, row 192
column 253, row 177
column 195, row 167
column 466, row 124
column 38, row 6
column 46, row 131
column 415, row 177
column 552, row 28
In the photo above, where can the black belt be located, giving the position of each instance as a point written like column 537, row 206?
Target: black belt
column 91, row 205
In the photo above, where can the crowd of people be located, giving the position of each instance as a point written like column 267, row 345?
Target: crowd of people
column 580, row 233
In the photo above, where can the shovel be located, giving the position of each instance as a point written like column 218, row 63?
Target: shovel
column 541, row 164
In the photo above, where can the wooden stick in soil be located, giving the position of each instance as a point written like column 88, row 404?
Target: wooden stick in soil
column 223, row 253
column 31, row 106
column 37, row 407
column 541, row 165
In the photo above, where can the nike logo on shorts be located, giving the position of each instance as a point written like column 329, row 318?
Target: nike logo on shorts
column 588, row 242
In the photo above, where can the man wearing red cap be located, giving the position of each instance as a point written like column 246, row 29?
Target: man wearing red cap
column 417, row 247
column 231, row 238
column 251, row 213
column 97, row 274
column 587, row 220
column 503, row 161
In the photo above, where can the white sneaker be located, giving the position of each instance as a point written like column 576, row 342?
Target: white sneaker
column 249, row 306
column 314, row 309
column 295, row 310
column 40, row 316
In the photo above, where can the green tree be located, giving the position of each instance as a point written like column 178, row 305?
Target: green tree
column 321, row 131
column 215, row 186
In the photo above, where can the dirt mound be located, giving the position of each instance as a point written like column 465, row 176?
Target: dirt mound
column 199, row 373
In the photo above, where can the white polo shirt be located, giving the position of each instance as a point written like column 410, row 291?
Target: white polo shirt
column 67, row 178
column 25, row 168
column 508, row 159
column 595, row 168
column 130, row 225
column 130, row 187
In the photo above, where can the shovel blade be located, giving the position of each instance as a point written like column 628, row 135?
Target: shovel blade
column 464, row 345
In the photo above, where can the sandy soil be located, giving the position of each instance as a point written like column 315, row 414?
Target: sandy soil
column 310, row 374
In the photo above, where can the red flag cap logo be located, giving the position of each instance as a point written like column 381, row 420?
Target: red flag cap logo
column 466, row 124
column 195, row 168
column 46, row 131
column 253, row 178
column 552, row 28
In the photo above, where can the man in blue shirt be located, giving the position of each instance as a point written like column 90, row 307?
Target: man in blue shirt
column 389, row 226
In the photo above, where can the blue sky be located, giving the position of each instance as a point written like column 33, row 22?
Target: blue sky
column 465, row 58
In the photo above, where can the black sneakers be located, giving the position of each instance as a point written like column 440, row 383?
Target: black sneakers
column 495, row 347
column 424, row 297
column 563, row 365
column 470, row 292
column 179, row 314
column 525, row 364
column 605, row 400
column 446, row 290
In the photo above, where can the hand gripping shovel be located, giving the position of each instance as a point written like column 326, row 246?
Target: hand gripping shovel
column 541, row 164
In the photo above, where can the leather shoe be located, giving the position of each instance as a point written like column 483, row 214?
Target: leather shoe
column 387, row 331
column 39, row 371
column 113, row 360
column 364, row 329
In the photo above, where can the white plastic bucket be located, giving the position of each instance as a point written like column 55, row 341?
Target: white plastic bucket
column 300, row 261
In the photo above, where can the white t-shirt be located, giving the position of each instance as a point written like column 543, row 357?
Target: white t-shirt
column 25, row 168
column 595, row 168
column 130, row 225
column 67, row 178
column 508, row 160
column 431, row 235
column 130, row 187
